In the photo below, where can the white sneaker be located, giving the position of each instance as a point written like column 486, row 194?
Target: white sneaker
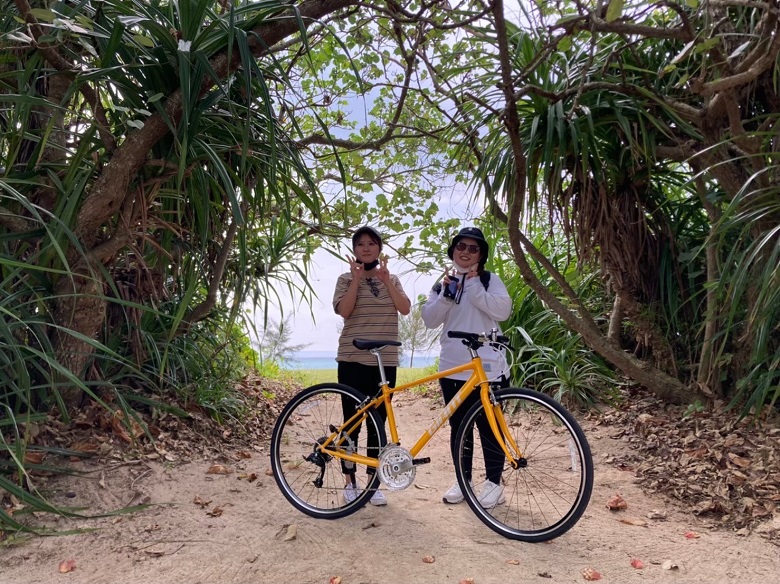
column 453, row 495
column 351, row 493
column 491, row 495
column 378, row 498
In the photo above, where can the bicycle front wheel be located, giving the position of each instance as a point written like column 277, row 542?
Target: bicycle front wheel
column 314, row 481
column 550, row 490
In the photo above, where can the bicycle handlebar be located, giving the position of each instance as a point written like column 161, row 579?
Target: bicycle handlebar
column 478, row 339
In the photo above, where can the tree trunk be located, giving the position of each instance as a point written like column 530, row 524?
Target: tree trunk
column 708, row 375
column 615, row 321
column 81, row 306
column 662, row 385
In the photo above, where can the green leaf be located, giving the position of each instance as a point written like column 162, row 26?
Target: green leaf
column 614, row 10
column 43, row 14
column 143, row 40
column 707, row 45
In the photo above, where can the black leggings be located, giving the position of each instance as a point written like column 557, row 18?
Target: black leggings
column 491, row 450
column 366, row 379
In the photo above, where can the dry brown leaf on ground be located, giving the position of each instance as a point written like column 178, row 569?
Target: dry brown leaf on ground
column 513, row 562
column 617, row 503
column 202, row 502
column 120, row 423
column 467, row 581
column 67, row 566
column 218, row 469
column 692, row 535
column 633, row 521
column 428, row 559
column 335, row 580
column 637, row 563
column 591, row 574
column 33, row 457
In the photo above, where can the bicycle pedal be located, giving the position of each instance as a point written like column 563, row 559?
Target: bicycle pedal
column 416, row 461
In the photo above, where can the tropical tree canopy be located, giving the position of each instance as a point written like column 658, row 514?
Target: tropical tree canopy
column 165, row 162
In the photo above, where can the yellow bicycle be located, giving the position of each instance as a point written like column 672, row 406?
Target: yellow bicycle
column 547, row 475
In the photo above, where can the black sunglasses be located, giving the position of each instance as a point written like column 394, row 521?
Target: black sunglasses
column 472, row 248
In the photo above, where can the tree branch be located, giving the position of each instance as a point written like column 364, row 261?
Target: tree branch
column 66, row 68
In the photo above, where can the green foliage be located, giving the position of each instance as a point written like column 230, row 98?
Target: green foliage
column 549, row 356
column 275, row 346
column 134, row 296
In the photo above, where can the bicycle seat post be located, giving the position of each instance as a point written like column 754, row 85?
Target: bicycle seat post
column 376, row 353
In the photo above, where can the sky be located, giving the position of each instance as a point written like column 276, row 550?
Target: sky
column 321, row 331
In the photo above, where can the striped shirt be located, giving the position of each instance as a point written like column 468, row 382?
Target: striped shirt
column 374, row 318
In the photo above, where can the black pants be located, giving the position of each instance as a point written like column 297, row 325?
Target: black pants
column 491, row 450
column 366, row 379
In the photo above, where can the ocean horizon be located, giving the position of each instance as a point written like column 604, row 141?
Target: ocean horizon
column 327, row 360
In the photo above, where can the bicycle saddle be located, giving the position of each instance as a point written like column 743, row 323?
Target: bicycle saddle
column 366, row 345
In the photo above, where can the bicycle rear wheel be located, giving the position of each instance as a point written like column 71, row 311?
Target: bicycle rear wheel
column 548, row 493
column 314, row 481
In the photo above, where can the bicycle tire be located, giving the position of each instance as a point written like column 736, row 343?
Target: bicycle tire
column 544, row 498
column 307, row 418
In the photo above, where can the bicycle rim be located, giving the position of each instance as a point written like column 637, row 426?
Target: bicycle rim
column 314, row 482
column 544, row 498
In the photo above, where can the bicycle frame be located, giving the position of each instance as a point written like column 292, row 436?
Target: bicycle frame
column 478, row 378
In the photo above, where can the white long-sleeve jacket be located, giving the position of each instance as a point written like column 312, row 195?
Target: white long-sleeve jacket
column 479, row 311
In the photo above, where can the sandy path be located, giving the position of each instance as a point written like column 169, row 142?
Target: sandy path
column 178, row 541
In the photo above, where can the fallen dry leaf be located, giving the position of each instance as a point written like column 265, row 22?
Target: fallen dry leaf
column 590, row 574
column 513, row 562
column 154, row 553
column 215, row 512
column 202, row 502
column 33, row 457
column 616, row 503
column 636, row 563
column 633, row 521
column 428, row 559
column 120, row 423
column 67, row 566
column 85, row 447
column 467, row 581
column 292, row 532
column 244, row 454
column 218, row 469
column 269, row 472
column 738, row 460
column 692, row 535
column 669, row 565
column 251, row 477
column 335, row 580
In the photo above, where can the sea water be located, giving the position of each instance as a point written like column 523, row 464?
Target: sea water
column 327, row 360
